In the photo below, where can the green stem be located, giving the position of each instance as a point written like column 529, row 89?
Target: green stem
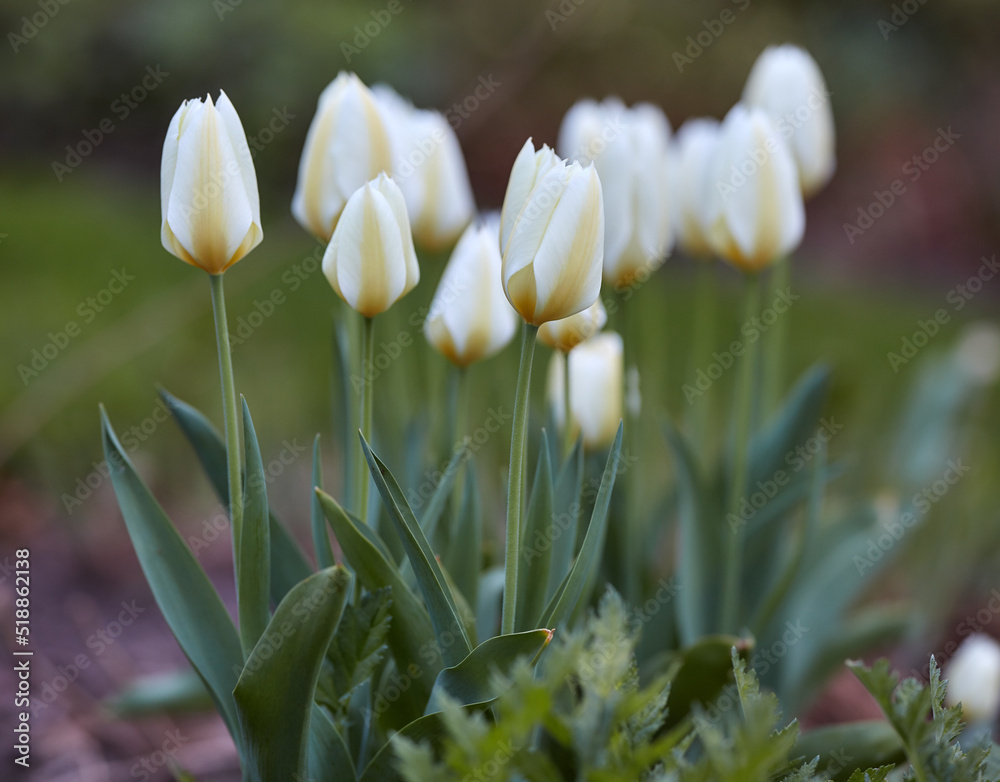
column 777, row 344
column 515, row 484
column 704, row 329
column 460, row 429
column 741, row 440
column 230, row 416
column 568, row 439
column 361, row 473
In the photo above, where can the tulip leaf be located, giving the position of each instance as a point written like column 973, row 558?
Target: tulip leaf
column 410, row 630
column 254, row 574
column 175, row 692
column 320, row 536
column 442, row 493
column 473, row 681
column 464, row 557
column 590, row 552
column 187, row 599
column 698, row 544
column 536, row 544
column 703, row 669
column 489, row 599
column 445, row 616
column 288, row 565
column 384, row 767
column 274, row 694
column 328, row 757
column 566, row 508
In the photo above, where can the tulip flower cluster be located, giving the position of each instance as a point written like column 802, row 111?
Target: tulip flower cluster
column 383, row 184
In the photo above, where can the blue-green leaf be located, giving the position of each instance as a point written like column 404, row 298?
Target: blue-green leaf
column 568, row 487
column 254, row 571
column 410, row 632
column 473, row 681
column 536, row 545
column 189, row 603
column 320, row 536
column 445, row 617
column 464, row 557
column 698, row 546
column 590, row 552
column 288, row 565
column 274, row 694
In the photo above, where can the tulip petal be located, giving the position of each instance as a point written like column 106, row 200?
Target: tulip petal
column 567, row 265
column 209, row 210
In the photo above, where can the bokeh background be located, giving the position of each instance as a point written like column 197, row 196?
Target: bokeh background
column 71, row 220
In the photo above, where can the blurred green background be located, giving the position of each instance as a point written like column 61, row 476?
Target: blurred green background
column 897, row 73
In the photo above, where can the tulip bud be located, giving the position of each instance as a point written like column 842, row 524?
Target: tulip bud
column 370, row 261
column 787, row 83
column 694, row 187
column 596, row 380
column 974, row 678
column 555, row 392
column 347, row 145
column 629, row 149
column 208, row 187
column 569, row 332
column 429, row 168
column 757, row 214
column 552, row 236
column 470, row 317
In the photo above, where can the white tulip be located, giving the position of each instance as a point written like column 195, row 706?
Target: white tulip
column 429, row 168
column 596, row 388
column 552, row 235
column 347, row 145
column 974, row 678
column 629, row 148
column 695, row 146
column 569, row 332
column 470, row 317
column 787, row 83
column 555, row 391
column 370, row 261
column 757, row 214
column 208, row 187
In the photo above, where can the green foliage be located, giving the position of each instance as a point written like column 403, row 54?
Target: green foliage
column 931, row 748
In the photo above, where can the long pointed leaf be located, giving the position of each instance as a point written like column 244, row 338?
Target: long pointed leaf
column 473, row 681
column 274, row 694
column 329, row 758
column 464, row 558
column 536, row 545
column 569, row 486
column 184, row 594
column 593, row 543
column 254, row 572
column 288, row 565
column 410, row 632
column 320, row 536
column 444, row 613
column 698, row 546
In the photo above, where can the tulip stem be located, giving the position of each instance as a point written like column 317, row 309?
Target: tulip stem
column 515, row 484
column 229, row 416
column 704, row 327
column 568, row 440
column 777, row 343
column 741, row 440
column 459, row 442
column 367, row 357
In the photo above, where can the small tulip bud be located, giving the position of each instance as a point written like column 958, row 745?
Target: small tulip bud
column 210, row 205
column 787, row 83
column 470, row 317
column 596, row 388
column 370, row 261
column 552, row 236
column 347, row 145
column 569, row 332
